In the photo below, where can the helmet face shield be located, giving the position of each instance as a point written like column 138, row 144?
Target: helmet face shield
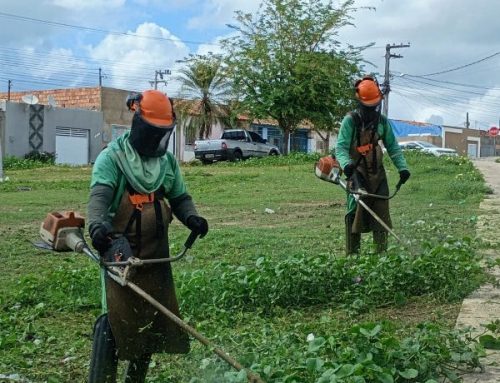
column 153, row 122
column 149, row 140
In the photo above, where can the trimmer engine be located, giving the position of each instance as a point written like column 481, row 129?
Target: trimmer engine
column 328, row 169
column 63, row 231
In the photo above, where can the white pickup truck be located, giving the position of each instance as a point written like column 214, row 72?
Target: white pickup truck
column 234, row 145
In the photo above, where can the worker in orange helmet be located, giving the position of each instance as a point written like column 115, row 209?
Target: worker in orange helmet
column 360, row 156
column 133, row 178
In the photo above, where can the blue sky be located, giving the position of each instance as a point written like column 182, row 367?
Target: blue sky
column 444, row 35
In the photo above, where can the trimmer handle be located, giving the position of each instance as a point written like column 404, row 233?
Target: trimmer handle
column 190, row 241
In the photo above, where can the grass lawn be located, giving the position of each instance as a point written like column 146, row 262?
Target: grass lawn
column 260, row 284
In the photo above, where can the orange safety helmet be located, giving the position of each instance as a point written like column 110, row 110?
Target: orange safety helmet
column 154, row 107
column 368, row 92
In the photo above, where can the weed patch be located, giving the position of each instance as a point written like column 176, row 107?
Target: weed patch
column 447, row 272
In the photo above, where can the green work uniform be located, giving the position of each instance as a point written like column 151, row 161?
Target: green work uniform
column 352, row 136
column 138, row 328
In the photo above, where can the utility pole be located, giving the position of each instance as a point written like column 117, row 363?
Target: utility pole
column 160, row 73
column 9, row 85
column 100, row 77
column 386, row 85
column 467, row 122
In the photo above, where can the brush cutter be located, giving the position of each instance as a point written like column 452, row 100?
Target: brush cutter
column 328, row 169
column 63, row 231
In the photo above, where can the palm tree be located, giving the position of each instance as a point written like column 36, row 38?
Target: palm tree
column 204, row 96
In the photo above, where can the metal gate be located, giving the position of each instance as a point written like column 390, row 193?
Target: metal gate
column 298, row 141
column 72, row 146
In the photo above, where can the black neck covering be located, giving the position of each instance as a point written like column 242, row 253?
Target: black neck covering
column 370, row 115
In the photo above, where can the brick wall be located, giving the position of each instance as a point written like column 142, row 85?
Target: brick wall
column 76, row 98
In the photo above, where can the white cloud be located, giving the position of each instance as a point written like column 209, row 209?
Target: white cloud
column 442, row 35
column 131, row 61
column 214, row 47
column 482, row 109
column 217, row 13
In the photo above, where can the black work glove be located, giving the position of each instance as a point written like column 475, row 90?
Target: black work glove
column 119, row 250
column 349, row 170
column 197, row 224
column 101, row 237
column 403, row 176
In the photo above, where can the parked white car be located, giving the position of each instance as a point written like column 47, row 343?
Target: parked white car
column 234, row 145
column 427, row 147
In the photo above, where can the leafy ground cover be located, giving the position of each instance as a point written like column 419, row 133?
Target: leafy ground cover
column 269, row 283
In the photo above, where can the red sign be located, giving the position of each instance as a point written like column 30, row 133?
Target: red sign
column 493, row 131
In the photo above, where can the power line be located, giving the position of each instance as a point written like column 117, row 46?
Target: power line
column 451, row 101
column 448, row 88
column 446, row 82
column 437, row 101
column 98, row 30
column 461, row 66
column 423, row 101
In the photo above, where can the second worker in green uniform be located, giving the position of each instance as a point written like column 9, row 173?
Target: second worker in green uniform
column 360, row 156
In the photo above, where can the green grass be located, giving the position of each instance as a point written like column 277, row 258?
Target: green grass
column 259, row 283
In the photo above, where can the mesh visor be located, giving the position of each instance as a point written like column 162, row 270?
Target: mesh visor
column 149, row 140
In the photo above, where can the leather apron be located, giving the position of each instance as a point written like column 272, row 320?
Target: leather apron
column 371, row 177
column 137, row 326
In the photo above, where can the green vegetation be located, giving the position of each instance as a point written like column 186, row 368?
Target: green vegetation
column 272, row 288
column 287, row 56
column 205, row 85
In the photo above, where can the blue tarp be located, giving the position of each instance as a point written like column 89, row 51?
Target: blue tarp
column 408, row 129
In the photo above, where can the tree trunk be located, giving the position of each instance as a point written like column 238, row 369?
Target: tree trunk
column 326, row 142
column 286, row 140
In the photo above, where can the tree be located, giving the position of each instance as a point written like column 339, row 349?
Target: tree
column 265, row 57
column 327, row 90
column 205, row 96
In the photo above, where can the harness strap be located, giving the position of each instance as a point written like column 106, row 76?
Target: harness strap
column 160, row 228
column 364, row 149
column 138, row 200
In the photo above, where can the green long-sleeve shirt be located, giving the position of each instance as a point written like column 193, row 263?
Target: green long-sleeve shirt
column 385, row 132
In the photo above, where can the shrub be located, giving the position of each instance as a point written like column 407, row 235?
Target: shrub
column 32, row 160
column 44, row 157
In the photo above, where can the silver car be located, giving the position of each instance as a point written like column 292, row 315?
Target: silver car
column 427, row 147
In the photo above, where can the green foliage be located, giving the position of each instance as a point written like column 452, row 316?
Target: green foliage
column 372, row 352
column 15, row 163
column 366, row 353
column 294, row 158
column 492, row 339
column 45, row 157
column 448, row 272
column 275, row 55
column 327, row 90
column 206, row 95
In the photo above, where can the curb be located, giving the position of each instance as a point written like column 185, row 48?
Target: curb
column 483, row 305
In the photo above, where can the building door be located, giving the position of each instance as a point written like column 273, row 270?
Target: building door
column 472, row 150
column 72, row 146
column 298, row 141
